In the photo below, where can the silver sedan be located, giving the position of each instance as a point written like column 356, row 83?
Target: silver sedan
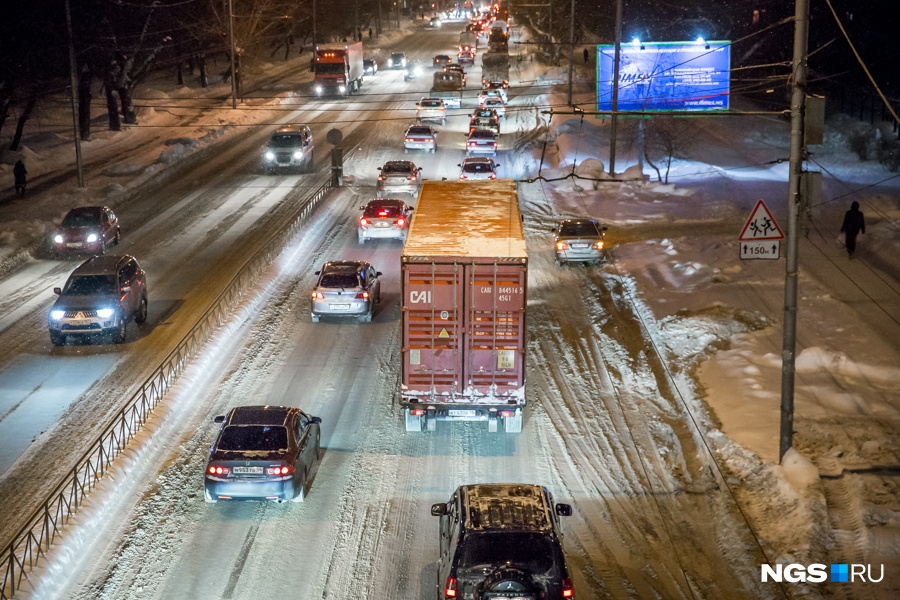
column 580, row 240
column 346, row 288
column 420, row 137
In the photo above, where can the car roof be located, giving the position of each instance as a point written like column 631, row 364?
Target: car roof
column 260, row 415
column 292, row 129
column 398, row 53
column 344, row 266
column 478, row 159
column 505, row 506
column 100, row 265
column 578, row 221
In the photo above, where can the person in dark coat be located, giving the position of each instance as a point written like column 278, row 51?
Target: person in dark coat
column 854, row 224
column 587, row 56
column 19, row 173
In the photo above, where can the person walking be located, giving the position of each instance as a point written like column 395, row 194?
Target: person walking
column 587, row 56
column 854, row 224
column 19, row 174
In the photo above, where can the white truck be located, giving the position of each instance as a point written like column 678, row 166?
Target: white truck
column 448, row 86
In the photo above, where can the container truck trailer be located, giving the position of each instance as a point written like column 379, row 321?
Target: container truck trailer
column 463, row 288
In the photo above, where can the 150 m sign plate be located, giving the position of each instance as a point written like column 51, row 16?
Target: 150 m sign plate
column 760, row 249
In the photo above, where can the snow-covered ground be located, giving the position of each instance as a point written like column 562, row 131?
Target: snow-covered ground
column 627, row 439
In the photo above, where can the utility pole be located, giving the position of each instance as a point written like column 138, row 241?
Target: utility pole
column 314, row 40
column 231, row 43
column 798, row 106
column 571, row 48
column 615, row 98
column 79, row 167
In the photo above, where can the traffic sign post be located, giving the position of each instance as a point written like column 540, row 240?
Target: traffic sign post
column 761, row 236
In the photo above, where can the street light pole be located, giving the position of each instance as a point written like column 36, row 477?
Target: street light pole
column 79, row 167
column 615, row 98
column 571, row 49
column 231, row 43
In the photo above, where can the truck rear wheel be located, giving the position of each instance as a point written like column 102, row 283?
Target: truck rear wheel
column 413, row 422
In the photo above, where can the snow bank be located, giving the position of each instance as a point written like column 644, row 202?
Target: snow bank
column 799, row 471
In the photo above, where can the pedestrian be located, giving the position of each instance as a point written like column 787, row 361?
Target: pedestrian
column 854, row 224
column 587, row 56
column 370, row 33
column 19, row 173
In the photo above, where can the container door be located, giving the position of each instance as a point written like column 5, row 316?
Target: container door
column 433, row 322
column 495, row 313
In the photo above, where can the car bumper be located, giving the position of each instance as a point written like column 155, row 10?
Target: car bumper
column 258, row 490
column 294, row 163
column 89, row 326
column 339, row 308
column 580, row 255
column 398, row 189
column 431, row 117
column 489, row 151
column 419, row 145
column 76, row 247
column 380, row 233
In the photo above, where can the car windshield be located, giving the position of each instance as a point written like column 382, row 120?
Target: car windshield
column 396, row 169
column 533, row 552
column 578, row 229
column 87, row 285
column 383, row 211
column 81, row 219
column 339, row 280
column 478, row 167
column 286, row 141
column 482, row 134
column 397, row 56
column 418, row 131
column 324, row 68
column 265, row 438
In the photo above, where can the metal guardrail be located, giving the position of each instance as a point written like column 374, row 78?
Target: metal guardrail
column 20, row 556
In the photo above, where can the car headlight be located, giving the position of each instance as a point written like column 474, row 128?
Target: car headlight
column 418, row 71
column 319, row 89
column 390, row 62
column 298, row 154
column 342, row 89
column 92, row 238
column 56, row 315
column 270, row 155
column 58, row 239
column 105, row 313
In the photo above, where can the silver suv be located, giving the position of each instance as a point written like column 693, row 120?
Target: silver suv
column 290, row 148
column 346, row 288
column 99, row 298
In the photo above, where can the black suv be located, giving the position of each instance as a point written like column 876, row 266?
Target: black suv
column 502, row 540
column 100, row 297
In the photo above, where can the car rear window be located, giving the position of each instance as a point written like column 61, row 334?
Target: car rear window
column 383, row 211
column 430, row 103
column 339, row 280
column 87, row 285
column 265, row 438
column 477, row 167
column 575, row 229
column 81, row 219
column 419, row 131
column 533, row 552
column 392, row 168
column 482, row 134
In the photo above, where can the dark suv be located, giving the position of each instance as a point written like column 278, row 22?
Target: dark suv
column 100, row 297
column 290, row 147
column 502, row 540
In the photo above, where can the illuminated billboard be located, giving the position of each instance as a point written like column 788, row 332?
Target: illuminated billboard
column 665, row 76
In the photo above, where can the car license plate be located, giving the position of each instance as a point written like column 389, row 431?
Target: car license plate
column 580, row 245
column 73, row 245
column 339, row 306
column 459, row 412
column 382, row 224
column 79, row 323
column 247, row 470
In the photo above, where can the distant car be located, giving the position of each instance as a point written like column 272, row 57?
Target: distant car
column 87, row 229
column 370, row 67
column 487, row 93
column 502, row 540
column 385, row 218
column 495, row 104
column 498, row 86
column 290, row 148
column 466, row 56
column 397, row 60
column 579, row 240
column 99, row 299
column 346, row 288
column 441, row 60
column 485, row 118
column 420, row 137
column 431, row 109
column 435, row 22
column 262, row 453
column 459, row 69
column 399, row 177
column 481, row 141
column 413, row 71
column 477, row 168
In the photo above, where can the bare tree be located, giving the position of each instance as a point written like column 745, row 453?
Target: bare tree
column 669, row 138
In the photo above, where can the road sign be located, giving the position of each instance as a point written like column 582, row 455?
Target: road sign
column 761, row 249
column 761, row 225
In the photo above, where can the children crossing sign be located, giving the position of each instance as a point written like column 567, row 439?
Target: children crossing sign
column 761, row 236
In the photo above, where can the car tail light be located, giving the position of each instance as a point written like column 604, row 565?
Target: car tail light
column 411, row 178
column 318, row 296
column 450, row 588
column 362, row 295
column 567, row 590
column 495, row 144
column 410, row 140
column 430, row 140
column 279, row 470
column 218, row 470
column 562, row 246
column 472, row 144
column 493, row 176
column 400, row 222
column 599, row 245
column 363, row 222
column 380, row 178
column 462, row 175
column 442, row 108
column 382, row 213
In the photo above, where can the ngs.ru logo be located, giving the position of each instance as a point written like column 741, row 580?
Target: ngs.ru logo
column 818, row 573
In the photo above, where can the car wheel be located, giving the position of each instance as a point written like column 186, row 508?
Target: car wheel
column 141, row 314
column 443, row 121
column 366, row 318
column 300, row 495
column 120, row 332
column 315, row 318
column 102, row 246
column 118, row 237
column 57, row 339
column 361, row 240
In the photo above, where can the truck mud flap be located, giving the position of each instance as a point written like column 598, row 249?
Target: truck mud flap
column 413, row 422
column 513, row 424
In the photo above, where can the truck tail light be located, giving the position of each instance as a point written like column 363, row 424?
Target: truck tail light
column 362, row 295
column 218, row 470
column 507, row 413
column 279, row 470
column 318, row 296
column 567, row 590
column 599, row 245
column 363, row 222
column 562, row 246
column 418, row 412
column 450, row 588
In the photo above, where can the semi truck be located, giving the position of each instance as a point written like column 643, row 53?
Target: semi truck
column 339, row 69
column 448, row 86
column 495, row 68
column 463, row 273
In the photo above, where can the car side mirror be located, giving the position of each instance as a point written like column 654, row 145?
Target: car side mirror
column 604, row 228
column 379, row 168
column 438, row 510
column 126, row 288
column 377, row 273
column 564, row 510
column 219, row 419
column 315, row 420
column 458, row 165
column 410, row 208
column 362, row 208
column 57, row 291
column 496, row 165
column 317, row 272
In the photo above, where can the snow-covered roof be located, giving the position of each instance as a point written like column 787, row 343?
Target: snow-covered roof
column 468, row 219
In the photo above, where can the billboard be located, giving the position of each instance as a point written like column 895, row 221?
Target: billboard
column 665, row 76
